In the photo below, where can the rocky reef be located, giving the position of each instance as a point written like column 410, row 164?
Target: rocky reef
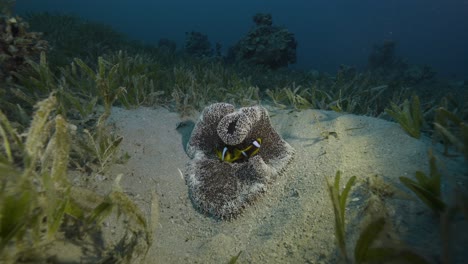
column 384, row 62
column 197, row 44
column 265, row 44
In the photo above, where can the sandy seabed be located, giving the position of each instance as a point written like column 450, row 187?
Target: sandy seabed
column 293, row 221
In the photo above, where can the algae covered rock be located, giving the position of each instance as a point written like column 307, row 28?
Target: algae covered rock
column 234, row 155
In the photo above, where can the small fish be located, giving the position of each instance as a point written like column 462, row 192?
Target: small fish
column 235, row 154
column 252, row 149
column 227, row 154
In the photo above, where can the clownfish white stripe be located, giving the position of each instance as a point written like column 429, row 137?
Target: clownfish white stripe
column 256, row 144
column 224, row 153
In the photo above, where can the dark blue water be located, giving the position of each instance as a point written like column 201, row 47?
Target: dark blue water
column 329, row 32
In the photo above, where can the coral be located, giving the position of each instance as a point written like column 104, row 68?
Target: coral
column 384, row 63
column 17, row 45
column 221, row 188
column 263, row 19
column 197, row 44
column 267, row 45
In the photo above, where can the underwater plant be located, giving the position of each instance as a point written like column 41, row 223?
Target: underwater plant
column 366, row 249
column 103, row 146
column 36, row 82
column 141, row 76
column 450, row 215
column 452, row 130
column 290, row 96
column 363, row 251
column 98, row 145
column 427, row 188
column 106, row 83
column 75, row 99
column 357, row 94
column 409, row 116
column 339, row 205
column 196, row 85
column 234, row 259
column 37, row 201
column 73, row 37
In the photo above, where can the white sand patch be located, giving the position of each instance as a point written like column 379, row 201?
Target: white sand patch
column 293, row 221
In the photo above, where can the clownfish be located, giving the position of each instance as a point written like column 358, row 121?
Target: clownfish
column 231, row 155
column 252, row 149
column 228, row 154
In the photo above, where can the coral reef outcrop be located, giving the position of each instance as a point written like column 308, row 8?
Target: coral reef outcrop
column 197, row 44
column 384, row 63
column 221, row 187
column 265, row 44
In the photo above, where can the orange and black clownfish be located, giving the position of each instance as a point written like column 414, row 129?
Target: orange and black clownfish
column 228, row 154
column 252, row 149
column 235, row 154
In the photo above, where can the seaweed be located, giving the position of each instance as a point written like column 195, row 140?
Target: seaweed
column 409, row 116
column 72, row 36
column 140, row 76
column 365, row 252
column 339, row 204
column 234, row 259
column 452, row 130
column 427, row 188
column 103, row 147
column 294, row 97
column 33, row 199
column 106, row 83
column 365, row 249
column 196, row 85
column 39, row 80
column 362, row 250
column 97, row 145
column 138, row 235
column 37, row 202
column 339, row 95
column 299, row 97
